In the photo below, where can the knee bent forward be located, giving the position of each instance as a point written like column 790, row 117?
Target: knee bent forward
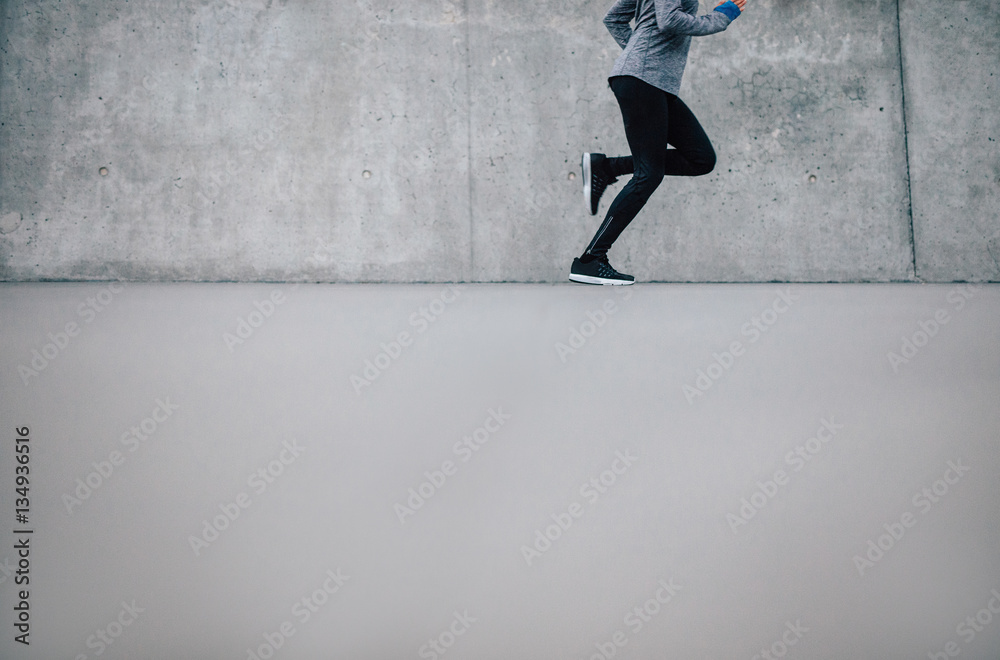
column 705, row 165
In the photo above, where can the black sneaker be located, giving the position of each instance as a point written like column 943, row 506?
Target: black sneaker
column 595, row 179
column 598, row 271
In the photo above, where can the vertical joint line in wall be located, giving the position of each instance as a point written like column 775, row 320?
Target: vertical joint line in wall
column 906, row 140
column 468, row 139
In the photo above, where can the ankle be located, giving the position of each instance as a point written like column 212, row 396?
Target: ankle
column 611, row 167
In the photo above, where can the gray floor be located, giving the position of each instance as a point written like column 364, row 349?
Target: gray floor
column 660, row 471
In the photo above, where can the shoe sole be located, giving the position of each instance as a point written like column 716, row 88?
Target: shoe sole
column 585, row 166
column 589, row 279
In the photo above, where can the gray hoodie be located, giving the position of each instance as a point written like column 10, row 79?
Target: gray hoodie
column 656, row 50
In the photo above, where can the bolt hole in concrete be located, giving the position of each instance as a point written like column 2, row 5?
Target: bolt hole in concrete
column 366, row 174
column 572, row 175
column 103, row 171
column 9, row 222
column 812, row 178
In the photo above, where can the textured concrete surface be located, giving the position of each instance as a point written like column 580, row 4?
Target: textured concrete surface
column 821, row 96
column 951, row 53
column 436, row 141
column 780, row 456
column 236, row 138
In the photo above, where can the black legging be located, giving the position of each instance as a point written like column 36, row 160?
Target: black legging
column 653, row 119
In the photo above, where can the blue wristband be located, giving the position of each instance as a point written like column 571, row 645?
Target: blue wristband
column 729, row 9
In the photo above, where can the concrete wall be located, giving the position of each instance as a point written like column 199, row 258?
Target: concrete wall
column 951, row 53
column 382, row 140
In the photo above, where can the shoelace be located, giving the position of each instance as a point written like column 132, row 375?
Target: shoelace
column 601, row 182
column 605, row 269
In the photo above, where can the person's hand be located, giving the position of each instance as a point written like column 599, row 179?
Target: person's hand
column 738, row 3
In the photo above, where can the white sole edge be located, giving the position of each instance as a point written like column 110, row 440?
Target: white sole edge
column 587, row 279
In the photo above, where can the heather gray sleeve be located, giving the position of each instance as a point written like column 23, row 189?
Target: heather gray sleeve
column 672, row 19
column 617, row 20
